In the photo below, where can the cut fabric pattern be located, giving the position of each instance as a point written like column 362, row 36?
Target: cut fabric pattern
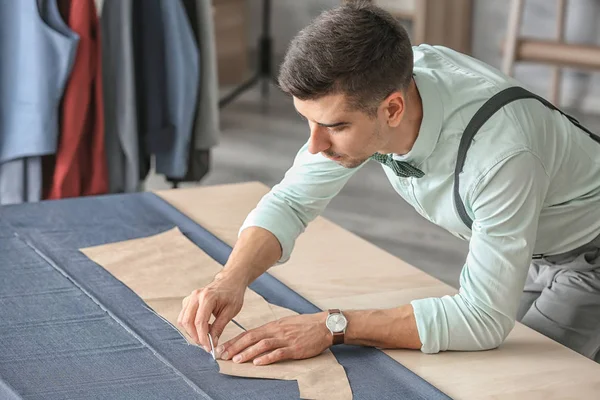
column 163, row 269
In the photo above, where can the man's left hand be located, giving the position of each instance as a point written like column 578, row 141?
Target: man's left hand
column 296, row 337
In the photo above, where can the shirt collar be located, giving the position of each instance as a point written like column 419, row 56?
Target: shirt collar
column 431, row 124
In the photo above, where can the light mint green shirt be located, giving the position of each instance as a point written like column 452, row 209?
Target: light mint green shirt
column 531, row 184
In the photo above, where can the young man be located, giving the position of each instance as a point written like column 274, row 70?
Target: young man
column 526, row 195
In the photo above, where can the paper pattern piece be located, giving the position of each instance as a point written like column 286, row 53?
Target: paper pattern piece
column 165, row 268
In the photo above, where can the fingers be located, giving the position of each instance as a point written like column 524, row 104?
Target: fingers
column 222, row 349
column 184, row 304
column 255, row 345
column 194, row 317
column 205, row 309
column 258, row 349
column 219, row 324
column 187, row 315
column 241, row 343
column 221, row 301
column 280, row 354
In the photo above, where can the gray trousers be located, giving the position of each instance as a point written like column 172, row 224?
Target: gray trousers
column 561, row 299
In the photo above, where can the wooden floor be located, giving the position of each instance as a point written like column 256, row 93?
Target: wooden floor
column 259, row 141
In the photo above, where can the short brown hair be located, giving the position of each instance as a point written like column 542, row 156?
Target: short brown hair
column 356, row 49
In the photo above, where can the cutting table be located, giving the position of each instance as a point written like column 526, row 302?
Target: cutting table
column 69, row 329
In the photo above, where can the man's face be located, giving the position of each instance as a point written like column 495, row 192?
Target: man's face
column 348, row 137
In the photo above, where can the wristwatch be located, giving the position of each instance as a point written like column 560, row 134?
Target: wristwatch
column 336, row 323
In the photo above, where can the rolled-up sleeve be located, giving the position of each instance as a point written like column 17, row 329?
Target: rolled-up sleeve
column 506, row 205
column 302, row 195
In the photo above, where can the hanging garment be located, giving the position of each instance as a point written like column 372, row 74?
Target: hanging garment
column 156, row 132
column 132, row 134
column 49, row 160
column 205, row 134
column 206, row 128
column 182, row 71
column 118, row 77
column 80, row 168
column 37, row 51
column 20, row 180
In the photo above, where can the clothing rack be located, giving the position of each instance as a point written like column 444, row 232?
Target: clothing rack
column 134, row 83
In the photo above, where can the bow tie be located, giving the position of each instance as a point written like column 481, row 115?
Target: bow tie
column 400, row 168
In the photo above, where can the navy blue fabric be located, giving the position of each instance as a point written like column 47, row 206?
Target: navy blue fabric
column 70, row 330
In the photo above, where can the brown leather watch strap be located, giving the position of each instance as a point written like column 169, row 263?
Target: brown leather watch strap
column 338, row 337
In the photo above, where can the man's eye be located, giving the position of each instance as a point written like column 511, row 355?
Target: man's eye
column 338, row 128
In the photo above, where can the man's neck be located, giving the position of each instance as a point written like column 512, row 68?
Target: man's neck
column 408, row 130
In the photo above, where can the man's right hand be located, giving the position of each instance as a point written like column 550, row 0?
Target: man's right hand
column 222, row 298
column 254, row 252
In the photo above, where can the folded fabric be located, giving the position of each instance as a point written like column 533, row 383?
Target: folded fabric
column 165, row 268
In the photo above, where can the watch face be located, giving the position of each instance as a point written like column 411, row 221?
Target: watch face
column 336, row 322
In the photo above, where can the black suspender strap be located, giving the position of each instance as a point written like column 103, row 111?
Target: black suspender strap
column 488, row 109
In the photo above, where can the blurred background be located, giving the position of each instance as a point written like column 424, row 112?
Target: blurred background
column 112, row 96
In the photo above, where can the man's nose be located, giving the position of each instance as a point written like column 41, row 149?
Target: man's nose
column 319, row 139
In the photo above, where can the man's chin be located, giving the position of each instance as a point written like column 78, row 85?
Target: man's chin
column 350, row 164
column 346, row 161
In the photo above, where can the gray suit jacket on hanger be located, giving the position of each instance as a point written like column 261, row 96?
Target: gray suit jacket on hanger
column 121, row 138
column 207, row 123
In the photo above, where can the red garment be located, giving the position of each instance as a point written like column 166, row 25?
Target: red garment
column 80, row 167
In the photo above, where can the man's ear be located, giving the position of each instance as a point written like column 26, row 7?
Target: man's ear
column 393, row 108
